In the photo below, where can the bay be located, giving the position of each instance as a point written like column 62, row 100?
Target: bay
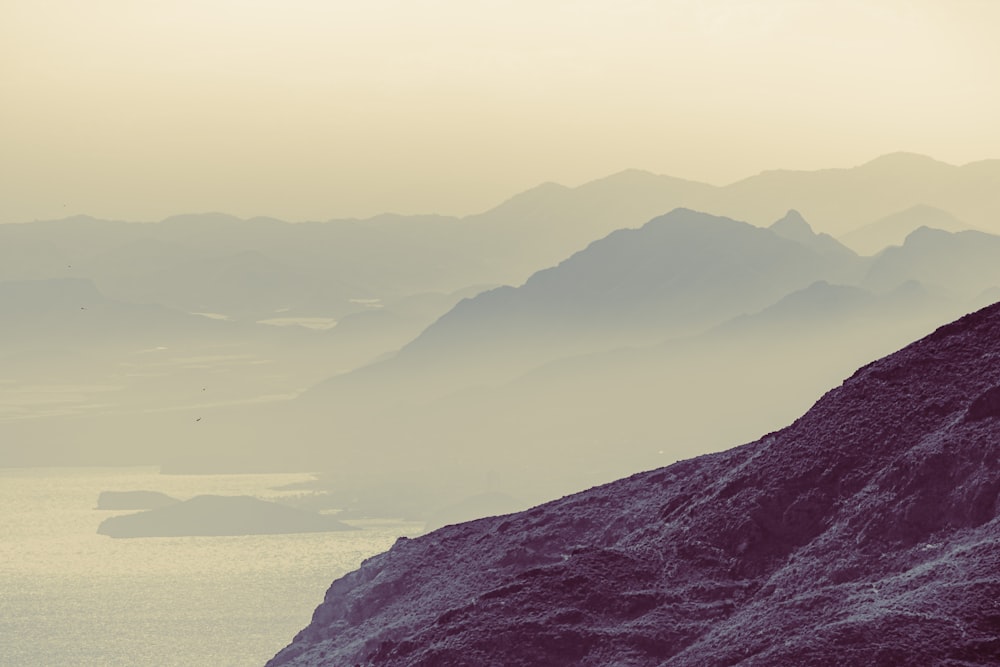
column 69, row 596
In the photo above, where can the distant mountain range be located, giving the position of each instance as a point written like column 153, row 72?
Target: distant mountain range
column 263, row 268
column 864, row 533
column 893, row 229
column 835, row 201
column 392, row 256
column 618, row 311
column 838, row 201
column 618, row 356
column 963, row 263
column 679, row 274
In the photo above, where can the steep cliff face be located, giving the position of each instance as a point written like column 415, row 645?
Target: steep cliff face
column 865, row 533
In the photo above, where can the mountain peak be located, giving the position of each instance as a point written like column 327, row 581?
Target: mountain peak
column 925, row 234
column 900, row 160
column 529, row 200
column 642, row 177
column 792, row 222
column 795, row 228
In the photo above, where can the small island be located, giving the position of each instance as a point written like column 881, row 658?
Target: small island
column 219, row 516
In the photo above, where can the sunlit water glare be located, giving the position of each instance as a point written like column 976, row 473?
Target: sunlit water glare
column 69, row 596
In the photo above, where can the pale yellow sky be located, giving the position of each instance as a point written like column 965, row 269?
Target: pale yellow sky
column 312, row 109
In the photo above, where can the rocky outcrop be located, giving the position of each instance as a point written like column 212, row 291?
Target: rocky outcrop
column 865, row 533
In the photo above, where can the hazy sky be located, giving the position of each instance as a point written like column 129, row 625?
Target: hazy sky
column 311, row 109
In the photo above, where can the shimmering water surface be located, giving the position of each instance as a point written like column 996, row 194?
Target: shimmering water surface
column 69, row 596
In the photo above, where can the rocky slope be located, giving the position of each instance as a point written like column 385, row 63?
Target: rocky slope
column 865, row 533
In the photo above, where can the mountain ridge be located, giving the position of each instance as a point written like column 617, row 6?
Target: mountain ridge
column 657, row 258
column 832, row 198
column 893, row 229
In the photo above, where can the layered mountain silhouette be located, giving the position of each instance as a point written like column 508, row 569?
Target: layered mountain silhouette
column 218, row 263
column 962, row 264
column 838, row 201
column 605, row 364
column 864, row 533
column 552, row 221
column 544, row 364
column 616, row 357
column 678, row 274
column 609, row 361
column 835, row 201
column 795, row 228
column 595, row 416
column 390, row 256
column 893, row 229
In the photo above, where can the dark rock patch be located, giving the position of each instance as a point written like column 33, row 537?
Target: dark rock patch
column 986, row 405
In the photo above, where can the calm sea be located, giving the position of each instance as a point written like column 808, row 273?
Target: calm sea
column 69, row 596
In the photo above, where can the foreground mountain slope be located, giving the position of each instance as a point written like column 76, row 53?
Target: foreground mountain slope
column 865, row 533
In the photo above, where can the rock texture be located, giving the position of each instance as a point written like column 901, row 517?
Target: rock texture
column 865, row 533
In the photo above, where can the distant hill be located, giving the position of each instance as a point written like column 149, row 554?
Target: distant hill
column 612, row 360
column 586, row 419
column 552, row 221
column 581, row 364
column 795, row 228
column 678, row 274
column 391, row 256
column 835, row 201
column 838, row 201
column 893, row 229
column 616, row 358
column 250, row 268
column 584, row 273
column 864, row 533
column 962, row 264
column 389, row 326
